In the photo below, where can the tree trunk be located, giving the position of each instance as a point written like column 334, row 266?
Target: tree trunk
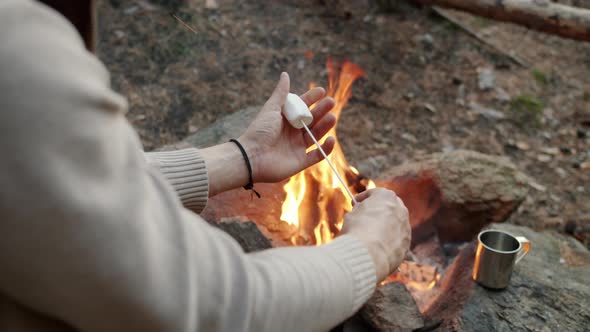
column 541, row 15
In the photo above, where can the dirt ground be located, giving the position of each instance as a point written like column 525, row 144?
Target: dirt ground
column 421, row 94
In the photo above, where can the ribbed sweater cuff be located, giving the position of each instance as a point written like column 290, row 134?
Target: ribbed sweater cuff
column 185, row 169
column 355, row 259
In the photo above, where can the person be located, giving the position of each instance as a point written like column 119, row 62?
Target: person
column 93, row 232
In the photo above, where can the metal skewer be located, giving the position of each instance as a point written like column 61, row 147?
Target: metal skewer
column 329, row 163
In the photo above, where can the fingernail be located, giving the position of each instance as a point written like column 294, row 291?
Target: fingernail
column 283, row 74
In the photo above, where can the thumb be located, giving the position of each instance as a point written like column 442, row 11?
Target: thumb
column 279, row 95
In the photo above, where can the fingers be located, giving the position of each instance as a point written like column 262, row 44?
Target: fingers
column 315, row 156
column 377, row 191
column 279, row 95
column 321, row 109
column 364, row 195
column 320, row 129
column 313, row 95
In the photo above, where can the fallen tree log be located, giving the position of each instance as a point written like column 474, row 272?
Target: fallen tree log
column 542, row 15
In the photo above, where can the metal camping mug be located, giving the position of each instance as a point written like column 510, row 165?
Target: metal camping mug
column 497, row 253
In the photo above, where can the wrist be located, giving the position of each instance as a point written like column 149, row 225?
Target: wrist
column 226, row 167
column 253, row 151
column 378, row 254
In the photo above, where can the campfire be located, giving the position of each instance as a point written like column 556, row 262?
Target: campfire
column 315, row 201
column 450, row 197
column 312, row 210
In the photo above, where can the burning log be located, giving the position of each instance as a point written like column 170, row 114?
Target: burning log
column 415, row 275
column 456, row 194
column 541, row 15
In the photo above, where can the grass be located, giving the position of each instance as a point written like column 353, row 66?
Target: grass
column 540, row 76
column 526, row 111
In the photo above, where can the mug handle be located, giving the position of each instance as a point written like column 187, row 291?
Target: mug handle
column 525, row 247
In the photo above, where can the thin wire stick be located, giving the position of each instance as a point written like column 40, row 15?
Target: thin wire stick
column 329, row 163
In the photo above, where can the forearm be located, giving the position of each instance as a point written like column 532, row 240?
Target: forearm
column 226, row 167
column 198, row 174
column 285, row 289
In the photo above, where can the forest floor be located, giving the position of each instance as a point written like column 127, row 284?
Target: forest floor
column 429, row 86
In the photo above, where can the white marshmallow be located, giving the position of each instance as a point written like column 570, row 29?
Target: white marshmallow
column 296, row 110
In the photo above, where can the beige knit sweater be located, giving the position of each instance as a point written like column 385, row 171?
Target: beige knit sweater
column 93, row 234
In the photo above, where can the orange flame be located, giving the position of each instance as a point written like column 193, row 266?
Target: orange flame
column 315, row 194
column 315, row 202
column 411, row 283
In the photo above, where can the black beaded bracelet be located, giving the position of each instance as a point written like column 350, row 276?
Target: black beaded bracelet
column 250, row 185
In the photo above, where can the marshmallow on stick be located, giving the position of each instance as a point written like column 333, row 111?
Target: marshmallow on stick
column 299, row 116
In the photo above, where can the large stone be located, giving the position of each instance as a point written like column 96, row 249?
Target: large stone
column 231, row 126
column 246, row 233
column 220, row 131
column 549, row 290
column 455, row 194
column 392, row 309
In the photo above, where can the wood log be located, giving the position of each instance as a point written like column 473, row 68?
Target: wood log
column 542, row 15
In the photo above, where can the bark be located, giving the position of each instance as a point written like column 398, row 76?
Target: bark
column 541, row 15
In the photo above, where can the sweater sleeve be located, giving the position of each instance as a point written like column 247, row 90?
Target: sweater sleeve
column 186, row 171
column 92, row 236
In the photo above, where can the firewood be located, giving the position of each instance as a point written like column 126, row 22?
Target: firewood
column 542, row 15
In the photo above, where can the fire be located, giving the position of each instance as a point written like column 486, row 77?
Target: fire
column 315, row 202
column 416, row 276
column 315, row 194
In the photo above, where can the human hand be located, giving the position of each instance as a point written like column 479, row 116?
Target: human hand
column 276, row 149
column 381, row 222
